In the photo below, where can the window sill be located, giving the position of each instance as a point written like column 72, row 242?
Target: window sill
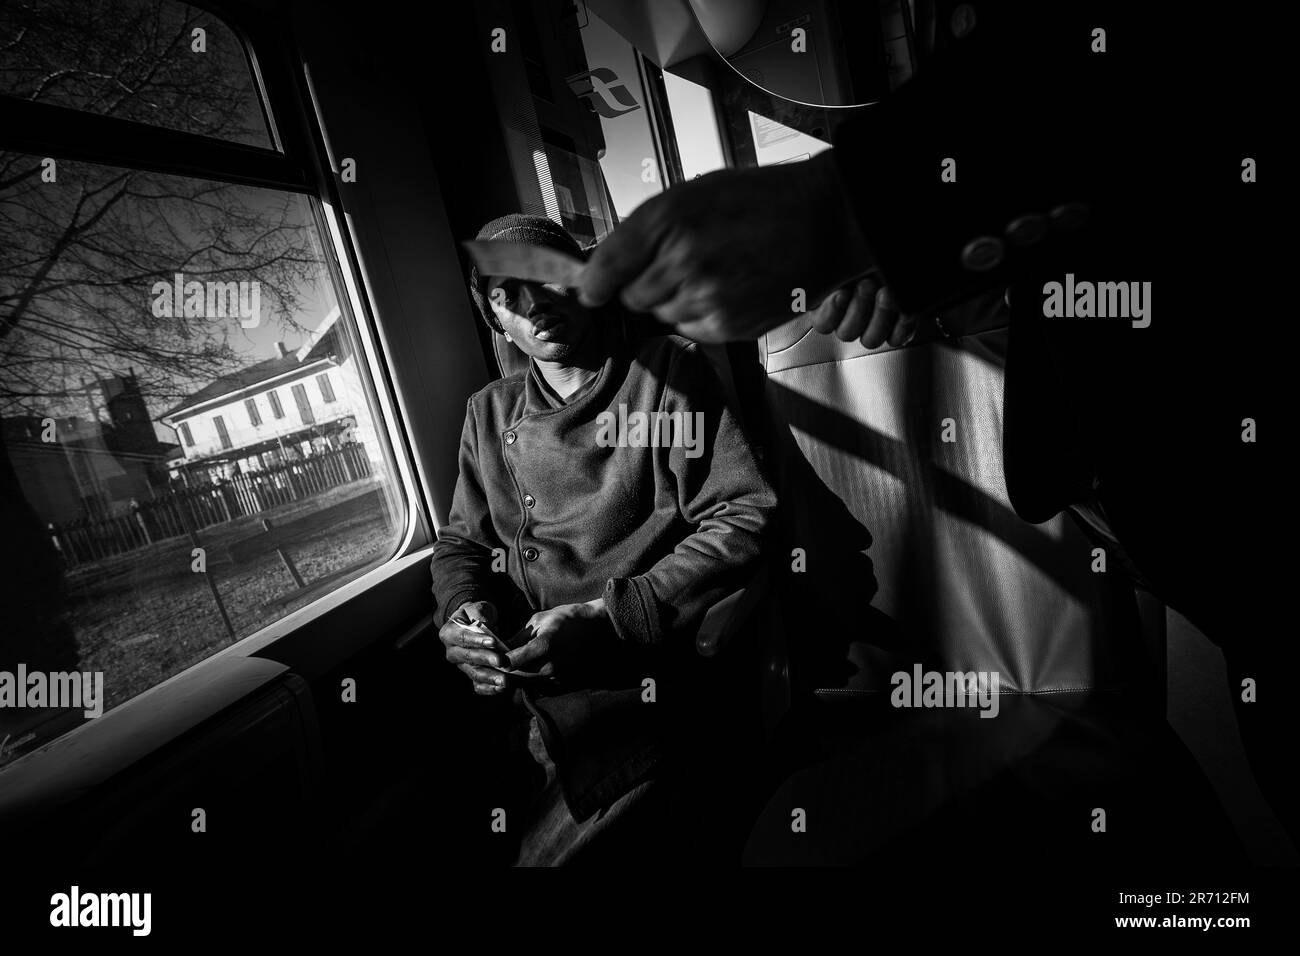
column 92, row 753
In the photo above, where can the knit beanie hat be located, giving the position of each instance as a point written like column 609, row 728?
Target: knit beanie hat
column 530, row 230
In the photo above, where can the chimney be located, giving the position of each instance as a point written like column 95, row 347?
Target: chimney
column 280, row 350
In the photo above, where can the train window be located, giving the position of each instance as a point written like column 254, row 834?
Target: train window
column 586, row 153
column 148, row 61
column 142, row 315
column 695, row 122
column 614, row 90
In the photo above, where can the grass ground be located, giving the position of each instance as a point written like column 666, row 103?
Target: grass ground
column 145, row 616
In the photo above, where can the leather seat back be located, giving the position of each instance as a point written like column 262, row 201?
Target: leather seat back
column 889, row 467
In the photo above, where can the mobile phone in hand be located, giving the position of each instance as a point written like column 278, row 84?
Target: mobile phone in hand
column 478, row 627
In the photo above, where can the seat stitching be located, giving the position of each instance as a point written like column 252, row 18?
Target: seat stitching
column 854, row 358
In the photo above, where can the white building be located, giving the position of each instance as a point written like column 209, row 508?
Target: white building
column 278, row 410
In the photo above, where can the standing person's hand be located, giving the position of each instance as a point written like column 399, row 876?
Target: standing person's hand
column 472, row 651
column 721, row 257
column 867, row 311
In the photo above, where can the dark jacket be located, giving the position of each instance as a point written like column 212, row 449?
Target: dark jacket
column 1115, row 166
column 1143, row 142
column 661, row 532
column 1118, row 166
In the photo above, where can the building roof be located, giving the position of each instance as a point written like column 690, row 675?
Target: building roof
column 314, row 349
column 237, row 381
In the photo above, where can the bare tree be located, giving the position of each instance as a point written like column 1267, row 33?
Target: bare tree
column 79, row 256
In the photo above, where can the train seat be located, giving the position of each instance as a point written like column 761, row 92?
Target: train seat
column 900, row 554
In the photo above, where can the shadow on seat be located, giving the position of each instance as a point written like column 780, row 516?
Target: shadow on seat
column 904, row 550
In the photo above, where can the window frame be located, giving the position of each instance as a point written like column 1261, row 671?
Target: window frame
column 299, row 161
column 44, row 129
column 662, row 132
column 254, row 416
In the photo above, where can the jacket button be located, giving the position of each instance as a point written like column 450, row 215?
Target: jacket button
column 1070, row 215
column 510, row 438
column 1027, row 229
column 962, row 20
column 529, row 501
column 982, row 254
column 530, row 554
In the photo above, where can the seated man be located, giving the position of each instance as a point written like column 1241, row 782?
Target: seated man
column 606, row 498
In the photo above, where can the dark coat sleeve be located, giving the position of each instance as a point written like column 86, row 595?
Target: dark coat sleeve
column 1047, row 136
column 722, row 494
column 462, row 555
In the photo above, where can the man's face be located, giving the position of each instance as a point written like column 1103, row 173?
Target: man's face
column 545, row 321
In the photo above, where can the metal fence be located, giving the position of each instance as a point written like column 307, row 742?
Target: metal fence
column 180, row 512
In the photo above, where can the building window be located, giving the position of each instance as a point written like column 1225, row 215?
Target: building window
column 222, row 434
column 326, row 389
column 186, row 437
column 254, row 418
column 304, row 405
column 277, row 410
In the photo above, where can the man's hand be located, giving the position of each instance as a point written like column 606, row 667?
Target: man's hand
column 472, row 651
column 558, row 638
column 865, row 311
column 720, row 257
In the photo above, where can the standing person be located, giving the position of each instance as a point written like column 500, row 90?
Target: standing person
column 1049, row 147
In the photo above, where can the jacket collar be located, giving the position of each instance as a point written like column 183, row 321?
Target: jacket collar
column 593, row 396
